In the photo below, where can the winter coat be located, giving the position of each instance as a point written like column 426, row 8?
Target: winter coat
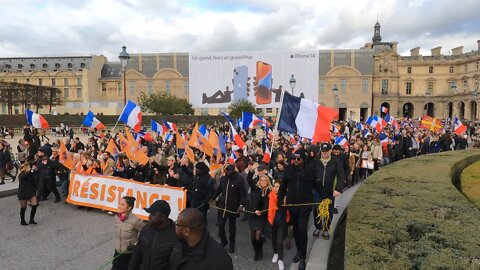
column 154, row 248
column 126, row 232
column 297, row 184
column 231, row 194
column 326, row 176
column 208, row 254
column 202, row 189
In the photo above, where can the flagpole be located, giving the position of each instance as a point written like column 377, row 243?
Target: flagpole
column 278, row 119
column 113, row 129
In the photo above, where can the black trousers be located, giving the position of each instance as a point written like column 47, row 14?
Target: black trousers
column 299, row 220
column 46, row 184
column 279, row 231
column 122, row 261
column 232, row 228
column 323, row 195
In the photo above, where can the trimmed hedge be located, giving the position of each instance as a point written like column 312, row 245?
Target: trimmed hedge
column 410, row 215
column 470, row 183
column 18, row 121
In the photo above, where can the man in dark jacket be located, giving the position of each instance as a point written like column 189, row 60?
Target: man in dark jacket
column 197, row 250
column 231, row 199
column 47, row 177
column 328, row 168
column 297, row 185
column 202, row 189
column 156, row 240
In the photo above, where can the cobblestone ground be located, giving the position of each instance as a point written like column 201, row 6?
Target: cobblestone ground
column 67, row 237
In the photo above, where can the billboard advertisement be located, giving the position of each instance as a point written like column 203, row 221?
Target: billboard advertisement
column 218, row 79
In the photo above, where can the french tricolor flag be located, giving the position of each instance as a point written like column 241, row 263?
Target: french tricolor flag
column 132, row 116
column 340, row 140
column 384, row 109
column 305, row 118
column 170, row 125
column 459, row 127
column 91, row 121
column 35, row 119
column 158, row 128
column 383, row 138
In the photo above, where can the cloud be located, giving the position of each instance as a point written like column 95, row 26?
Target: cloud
column 55, row 27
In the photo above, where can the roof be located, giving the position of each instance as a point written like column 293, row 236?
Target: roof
column 50, row 64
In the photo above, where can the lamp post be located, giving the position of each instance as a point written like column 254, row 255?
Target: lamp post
column 292, row 82
column 336, row 99
column 124, row 56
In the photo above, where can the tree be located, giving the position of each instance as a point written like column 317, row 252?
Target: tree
column 243, row 105
column 13, row 94
column 164, row 104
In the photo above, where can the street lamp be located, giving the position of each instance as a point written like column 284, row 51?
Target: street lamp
column 292, row 82
column 335, row 95
column 124, row 56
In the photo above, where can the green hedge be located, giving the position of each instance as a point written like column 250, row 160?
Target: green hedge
column 410, row 215
column 470, row 183
column 17, row 121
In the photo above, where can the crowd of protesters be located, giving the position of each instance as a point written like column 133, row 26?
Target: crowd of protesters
column 276, row 195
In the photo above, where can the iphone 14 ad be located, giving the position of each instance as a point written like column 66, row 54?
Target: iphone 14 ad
column 240, row 80
column 264, row 83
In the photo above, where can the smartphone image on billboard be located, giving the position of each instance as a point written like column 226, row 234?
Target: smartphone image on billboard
column 240, row 80
column 264, row 83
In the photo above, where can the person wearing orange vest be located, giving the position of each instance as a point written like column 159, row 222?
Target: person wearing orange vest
column 278, row 219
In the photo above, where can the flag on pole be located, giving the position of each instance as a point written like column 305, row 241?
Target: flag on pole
column 132, row 116
column 305, row 118
column 342, row 141
column 170, row 125
column 157, row 127
column 112, row 148
column 459, row 127
column 384, row 110
column 431, row 123
column 35, row 119
column 64, row 156
column 383, row 138
column 266, row 155
column 181, row 144
column 91, row 121
column 136, row 151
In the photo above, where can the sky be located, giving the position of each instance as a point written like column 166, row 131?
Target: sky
column 102, row 27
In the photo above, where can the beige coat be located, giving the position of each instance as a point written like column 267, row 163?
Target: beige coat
column 126, row 232
column 377, row 151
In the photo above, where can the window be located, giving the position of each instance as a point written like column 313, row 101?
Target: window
column 54, row 82
column 451, row 69
column 466, row 68
column 452, row 85
column 79, row 81
column 465, row 85
column 321, row 86
column 185, row 88
column 477, row 65
column 204, row 111
column 132, row 88
column 65, row 81
column 384, row 87
column 343, row 86
column 408, row 90
column 40, row 81
column 269, row 110
column 28, row 80
column 167, row 87
column 430, row 88
column 119, row 89
column 79, row 92
column 430, row 70
column 14, row 80
column 365, row 86
column 149, row 87
column 104, row 89
column 259, row 111
column 65, row 92
column 476, row 84
column 409, row 70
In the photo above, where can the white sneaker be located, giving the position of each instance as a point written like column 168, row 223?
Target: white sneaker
column 280, row 265
column 275, row 258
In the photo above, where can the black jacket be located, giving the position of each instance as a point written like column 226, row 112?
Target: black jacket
column 202, row 188
column 154, row 248
column 297, row 185
column 207, row 255
column 326, row 175
column 231, row 194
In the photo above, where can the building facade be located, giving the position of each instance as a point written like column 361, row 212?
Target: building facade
column 366, row 79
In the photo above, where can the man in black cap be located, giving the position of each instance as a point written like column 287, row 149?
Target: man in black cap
column 297, row 184
column 196, row 249
column 156, row 240
column 231, row 199
column 328, row 168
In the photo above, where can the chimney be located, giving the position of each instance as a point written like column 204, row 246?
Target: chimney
column 478, row 42
column 437, row 51
column 394, row 46
column 415, row 51
column 457, row 51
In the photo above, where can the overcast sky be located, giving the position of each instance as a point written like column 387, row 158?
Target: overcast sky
column 66, row 27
